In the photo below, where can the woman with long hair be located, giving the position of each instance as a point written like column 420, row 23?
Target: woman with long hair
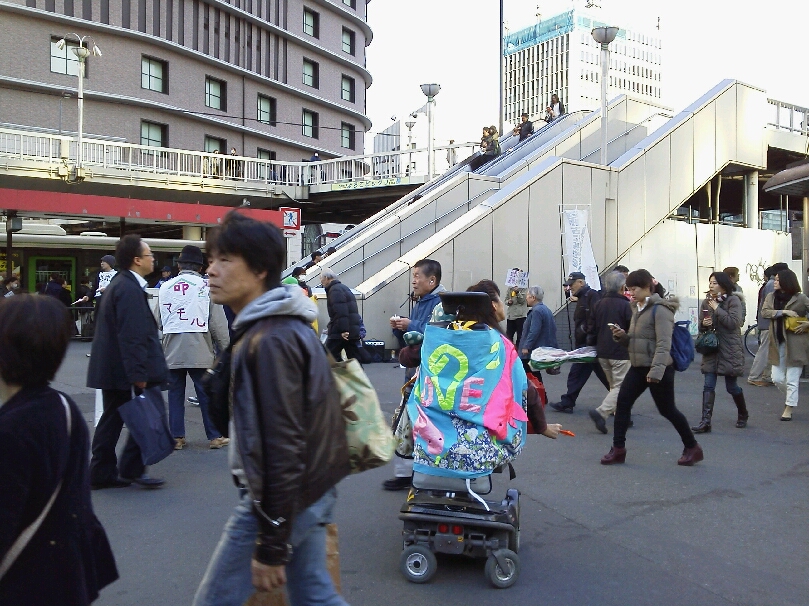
column 789, row 339
column 722, row 312
column 649, row 342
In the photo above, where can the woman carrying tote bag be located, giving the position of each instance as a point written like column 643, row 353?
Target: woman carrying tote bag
column 722, row 312
column 53, row 549
column 787, row 308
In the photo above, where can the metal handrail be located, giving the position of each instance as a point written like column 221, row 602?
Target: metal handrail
column 134, row 158
column 792, row 109
column 403, row 238
column 625, row 133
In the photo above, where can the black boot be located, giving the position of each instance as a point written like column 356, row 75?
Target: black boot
column 742, row 408
column 707, row 410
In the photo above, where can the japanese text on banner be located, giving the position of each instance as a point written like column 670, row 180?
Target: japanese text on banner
column 579, row 248
column 517, row 278
column 185, row 303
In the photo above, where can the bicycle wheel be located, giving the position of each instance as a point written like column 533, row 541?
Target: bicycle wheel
column 751, row 340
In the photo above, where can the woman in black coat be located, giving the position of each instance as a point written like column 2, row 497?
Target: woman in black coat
column 44, row 482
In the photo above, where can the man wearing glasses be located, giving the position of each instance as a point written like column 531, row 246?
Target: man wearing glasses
column 126, row 356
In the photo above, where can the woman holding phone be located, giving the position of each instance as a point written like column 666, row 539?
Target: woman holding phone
column 722, row 312
column 789, row 339
column 649, row 342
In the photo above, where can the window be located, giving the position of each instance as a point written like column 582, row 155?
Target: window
column 311, row 73
column 154, row 74
column 347, row 132
column 153, row 134
column 266, row 110
column 215, row 144
column 309, row 120
column 348, row 41
column 351, row 3
column 65, row 61
column 265, row 154
column 347, row 89
column 215, row 93
column 311, row 23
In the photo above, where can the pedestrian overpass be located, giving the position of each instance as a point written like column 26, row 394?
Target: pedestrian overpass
column 347, row 189
column 679, row 195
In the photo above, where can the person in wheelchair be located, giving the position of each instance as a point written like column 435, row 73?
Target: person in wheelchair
column 472, row 399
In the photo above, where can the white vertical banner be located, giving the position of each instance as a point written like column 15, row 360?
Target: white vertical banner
column 578, row 247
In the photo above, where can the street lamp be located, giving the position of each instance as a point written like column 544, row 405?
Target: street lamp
column 430, row 91
column 409, row 124
column 81, row 53
column 604, row 35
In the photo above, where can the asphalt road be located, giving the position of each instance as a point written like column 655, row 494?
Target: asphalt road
column 731, row 530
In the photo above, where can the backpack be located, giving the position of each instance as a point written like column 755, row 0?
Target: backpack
column 682, row 345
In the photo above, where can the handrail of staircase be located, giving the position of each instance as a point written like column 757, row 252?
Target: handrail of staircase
column 433, row 222
column 666, row 115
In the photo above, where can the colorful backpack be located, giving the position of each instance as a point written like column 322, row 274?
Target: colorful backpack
column 468, row 406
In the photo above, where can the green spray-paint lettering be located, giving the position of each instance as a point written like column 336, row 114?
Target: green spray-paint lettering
column 437, row 361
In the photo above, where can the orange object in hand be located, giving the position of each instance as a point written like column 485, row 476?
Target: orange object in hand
column 567, row 433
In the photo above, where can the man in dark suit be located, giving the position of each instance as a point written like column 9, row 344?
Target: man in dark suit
column 126, row 355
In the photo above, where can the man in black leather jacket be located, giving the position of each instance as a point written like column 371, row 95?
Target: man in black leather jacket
column 288, row 443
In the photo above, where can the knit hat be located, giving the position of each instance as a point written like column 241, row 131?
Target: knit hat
column 109, row 260
column 290, row 280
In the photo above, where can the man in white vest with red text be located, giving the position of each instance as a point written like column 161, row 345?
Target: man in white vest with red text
column 191, row 323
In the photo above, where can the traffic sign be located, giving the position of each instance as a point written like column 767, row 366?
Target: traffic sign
column 291, row 218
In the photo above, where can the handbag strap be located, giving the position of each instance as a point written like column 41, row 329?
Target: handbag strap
column 25, row 536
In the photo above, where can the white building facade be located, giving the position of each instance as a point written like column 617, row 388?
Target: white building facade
column 558, row 55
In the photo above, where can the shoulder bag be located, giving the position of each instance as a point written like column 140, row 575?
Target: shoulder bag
column 25, row 536
column 370, row 442
column 792, row 323
column 707, row 343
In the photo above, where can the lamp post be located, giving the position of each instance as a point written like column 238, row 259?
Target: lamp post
column 500, row 67
column 81, row 53
column 604, row 35
column 430, row 90
column 409, row 124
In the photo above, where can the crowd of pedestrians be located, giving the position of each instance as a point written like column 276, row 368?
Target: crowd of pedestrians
column 286, row 433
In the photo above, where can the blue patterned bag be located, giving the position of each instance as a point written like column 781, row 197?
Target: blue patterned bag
column 468, row 407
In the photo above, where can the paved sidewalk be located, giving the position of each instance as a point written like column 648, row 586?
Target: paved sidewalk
column 731, row 530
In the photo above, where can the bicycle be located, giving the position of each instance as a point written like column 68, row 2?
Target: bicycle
column 752, row 340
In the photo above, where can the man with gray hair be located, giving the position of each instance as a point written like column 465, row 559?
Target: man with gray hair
column 539, row 329
column 344, row 317
column 612, row 310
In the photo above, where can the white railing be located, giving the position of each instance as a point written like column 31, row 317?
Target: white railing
column 134, row 159
column 786, row 116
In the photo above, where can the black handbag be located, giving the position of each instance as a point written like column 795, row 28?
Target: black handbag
column 707, row 343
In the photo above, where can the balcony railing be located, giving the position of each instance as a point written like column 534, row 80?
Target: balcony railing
column 140, row 159
column 786, row 116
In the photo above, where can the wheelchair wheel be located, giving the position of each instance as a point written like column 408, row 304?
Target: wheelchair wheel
column 418, row 564
column 503, row 578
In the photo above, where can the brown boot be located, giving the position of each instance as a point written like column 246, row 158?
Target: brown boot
column 741, row 406
column 615, row 455
column 707, row 411
column 691, row 455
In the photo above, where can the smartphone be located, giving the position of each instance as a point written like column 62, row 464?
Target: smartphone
column 612, row 326
column 706, row 313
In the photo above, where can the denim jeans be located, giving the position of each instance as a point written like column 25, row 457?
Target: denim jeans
column 730, row 383
column 177, row 402
column 228, row 580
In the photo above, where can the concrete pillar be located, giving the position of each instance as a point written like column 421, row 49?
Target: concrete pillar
column 192, row 232
column 751, row 200
column 805, row 244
